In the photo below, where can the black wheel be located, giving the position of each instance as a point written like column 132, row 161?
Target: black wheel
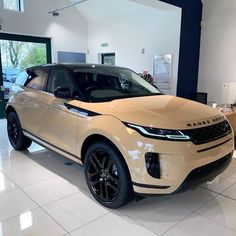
column 15, row 134
column 107, row 176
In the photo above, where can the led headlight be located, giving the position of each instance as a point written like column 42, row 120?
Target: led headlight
column 165, row 134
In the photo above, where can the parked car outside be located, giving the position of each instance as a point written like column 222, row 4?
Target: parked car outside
column 11, row 74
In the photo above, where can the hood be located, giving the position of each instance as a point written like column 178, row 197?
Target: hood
column 161, row 111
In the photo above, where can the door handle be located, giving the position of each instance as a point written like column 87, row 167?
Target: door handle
column 71, row 107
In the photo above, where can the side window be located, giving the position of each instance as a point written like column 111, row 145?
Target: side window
column 59, row 78
column 37, row 79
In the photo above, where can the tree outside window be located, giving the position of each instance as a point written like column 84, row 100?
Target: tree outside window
column 20, row 55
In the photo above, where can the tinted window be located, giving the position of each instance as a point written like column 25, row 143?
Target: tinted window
column 59, row 78
column 37, row 79
column 104, row 84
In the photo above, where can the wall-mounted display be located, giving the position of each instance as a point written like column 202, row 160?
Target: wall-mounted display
column 162, row 68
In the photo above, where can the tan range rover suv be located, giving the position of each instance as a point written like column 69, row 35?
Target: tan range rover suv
column 129, row 137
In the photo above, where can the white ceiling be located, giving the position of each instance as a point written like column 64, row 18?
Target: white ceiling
column 98, row 9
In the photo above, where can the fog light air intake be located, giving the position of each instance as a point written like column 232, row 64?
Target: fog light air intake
column 153, row 164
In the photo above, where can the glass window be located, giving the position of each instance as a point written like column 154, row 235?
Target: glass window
column 37, row 79
column 16, row 5
column 104, row 84
column 21, row 78
column 59, row 78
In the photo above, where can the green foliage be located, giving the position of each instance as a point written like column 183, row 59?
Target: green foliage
column 35, row 56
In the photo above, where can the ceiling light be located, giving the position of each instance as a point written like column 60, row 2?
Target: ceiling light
column 56, row 11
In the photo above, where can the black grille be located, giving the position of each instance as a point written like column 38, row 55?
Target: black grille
column 209, row 133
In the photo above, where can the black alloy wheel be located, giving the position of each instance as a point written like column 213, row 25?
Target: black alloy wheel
column 107, row 175
column 13, row 131
column 103, row 176
column 15, row 134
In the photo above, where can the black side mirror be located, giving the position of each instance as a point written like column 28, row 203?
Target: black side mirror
column 62, row 92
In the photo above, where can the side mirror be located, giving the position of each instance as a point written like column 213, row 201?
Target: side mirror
column 62, row 92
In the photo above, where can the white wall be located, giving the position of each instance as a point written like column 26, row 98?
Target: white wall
column 218, row 47
column 155, row 30
column 69, row 31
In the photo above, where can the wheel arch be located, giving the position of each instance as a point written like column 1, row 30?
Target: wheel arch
column 10, row 109
column 93, row 138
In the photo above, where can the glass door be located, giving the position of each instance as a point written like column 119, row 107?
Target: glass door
column 1, row 91
column 16, row 54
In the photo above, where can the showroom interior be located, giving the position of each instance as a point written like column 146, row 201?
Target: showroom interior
column 188, row 48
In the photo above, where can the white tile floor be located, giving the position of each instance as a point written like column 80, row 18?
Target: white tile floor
column 40, row 195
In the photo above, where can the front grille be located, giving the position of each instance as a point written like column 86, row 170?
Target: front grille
column 209, row 133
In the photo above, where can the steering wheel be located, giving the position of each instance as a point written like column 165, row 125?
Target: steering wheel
column 90, row 89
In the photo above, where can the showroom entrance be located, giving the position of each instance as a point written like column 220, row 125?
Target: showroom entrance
column 18, row 52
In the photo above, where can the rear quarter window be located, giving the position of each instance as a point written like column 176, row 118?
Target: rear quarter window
column 36, row 79
column 21, row 78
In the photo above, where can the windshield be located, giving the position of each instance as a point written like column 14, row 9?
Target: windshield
column 105, row 84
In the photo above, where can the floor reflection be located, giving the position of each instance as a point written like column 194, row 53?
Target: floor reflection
column 26, row 220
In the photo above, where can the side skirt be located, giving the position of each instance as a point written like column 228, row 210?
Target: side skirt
column 52, row 147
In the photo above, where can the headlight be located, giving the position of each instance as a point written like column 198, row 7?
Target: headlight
column 165, row 134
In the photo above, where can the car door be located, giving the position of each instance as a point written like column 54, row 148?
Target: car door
column 59, row 124
column 32, row 101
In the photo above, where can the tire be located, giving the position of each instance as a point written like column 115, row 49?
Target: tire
column 107, row 175
column 15, row 134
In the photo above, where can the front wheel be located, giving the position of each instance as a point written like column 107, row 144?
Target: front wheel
column 15, row 134
column 107, row 176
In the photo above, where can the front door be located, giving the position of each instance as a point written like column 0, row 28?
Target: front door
column 59, row 126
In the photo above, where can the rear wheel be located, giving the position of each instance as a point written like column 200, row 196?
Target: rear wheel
column 15, row 134
column 107, row 175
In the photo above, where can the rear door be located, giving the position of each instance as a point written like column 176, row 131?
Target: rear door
column 33, row 101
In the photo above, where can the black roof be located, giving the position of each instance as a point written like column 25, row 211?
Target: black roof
column 74, row 66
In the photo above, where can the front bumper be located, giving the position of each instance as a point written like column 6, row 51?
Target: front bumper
column 205, row 173
column 183, row 164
